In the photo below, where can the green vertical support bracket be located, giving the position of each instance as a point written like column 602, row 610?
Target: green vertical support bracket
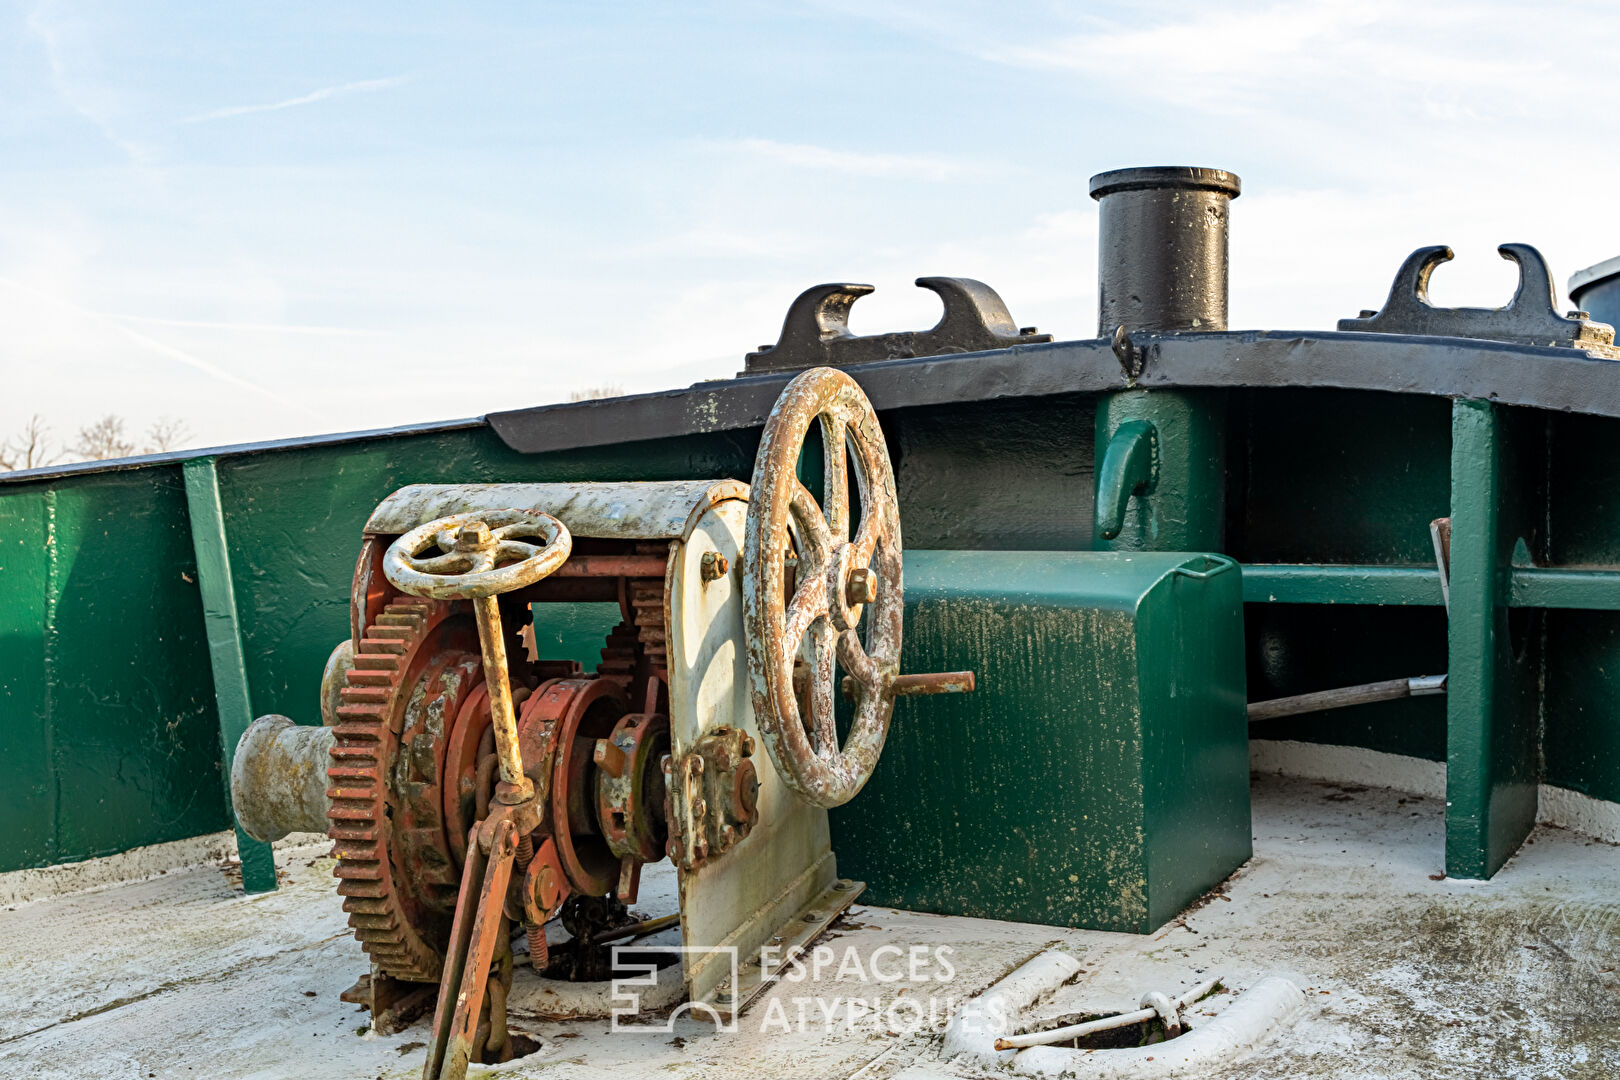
column 1488, row 810
column 1183, row 506
column 224, row 648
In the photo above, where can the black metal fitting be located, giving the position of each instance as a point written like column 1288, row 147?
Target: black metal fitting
column 1162, row 249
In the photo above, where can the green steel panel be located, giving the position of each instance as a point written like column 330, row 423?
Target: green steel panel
column 1337, row 477
column 1098, row 777
column 28, row 597
column 224, row 648
column 1493, row 748
column 1008, row 474
column 1583, row 703
column 108, row 726
column 294, row 520
column 573, row 631
column 1584, row 491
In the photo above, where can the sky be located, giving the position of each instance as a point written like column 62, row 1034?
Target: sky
column 272, row 220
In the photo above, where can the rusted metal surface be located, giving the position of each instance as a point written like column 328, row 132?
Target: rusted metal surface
column 630, row 789
column 278, row 778
column 405, row 655
column 635, row 566
column 574, row 713
column 713, row 796
column 334, row 677
column 715, row 566
column 816, row 330
column 394, row 1004
column 479, row 927
column 939, row 682
column 818, row 621
column 1530, row 318
column 645, row 510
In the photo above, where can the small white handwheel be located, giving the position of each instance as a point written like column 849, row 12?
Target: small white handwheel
column 483, row 553
column 835, row 577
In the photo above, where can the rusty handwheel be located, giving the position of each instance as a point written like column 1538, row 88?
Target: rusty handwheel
column 836, row 578
column 506, row 559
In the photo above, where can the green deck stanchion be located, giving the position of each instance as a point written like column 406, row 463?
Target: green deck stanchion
column 224, row 648
column 1491, row 768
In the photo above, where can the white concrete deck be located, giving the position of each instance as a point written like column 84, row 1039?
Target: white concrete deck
column 183, row 976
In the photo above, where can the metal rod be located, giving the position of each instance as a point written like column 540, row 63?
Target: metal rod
column 937, row 682
column 1106, row 1023
column 1323, row 700
column 638, row 929
column 1440, row 534
column 518, row 788
column 636, row 566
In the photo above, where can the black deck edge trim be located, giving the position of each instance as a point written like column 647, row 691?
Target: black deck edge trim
column 175, row 457
column 1562, row 379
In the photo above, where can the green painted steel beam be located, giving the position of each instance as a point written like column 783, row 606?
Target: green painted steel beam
column 1278, row 583
column 1575, row 590
column 1490, row 781
column 1471, row 637
column 1528, row 587
column 224, row 648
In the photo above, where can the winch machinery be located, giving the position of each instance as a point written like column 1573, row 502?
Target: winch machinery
column 476, row 790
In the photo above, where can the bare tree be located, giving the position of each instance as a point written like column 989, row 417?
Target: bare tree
column 30, row 449
column 103, row 439
column 594, row 392
column 166, row 433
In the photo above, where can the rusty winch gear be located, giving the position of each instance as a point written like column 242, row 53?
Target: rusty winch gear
column 419, row 658
column 472, row 791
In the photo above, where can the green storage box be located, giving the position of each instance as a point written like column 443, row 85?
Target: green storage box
column 1099, row 775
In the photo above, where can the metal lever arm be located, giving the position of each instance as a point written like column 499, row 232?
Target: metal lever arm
column 480, row 920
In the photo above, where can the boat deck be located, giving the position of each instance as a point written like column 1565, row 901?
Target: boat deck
column 1407, row 974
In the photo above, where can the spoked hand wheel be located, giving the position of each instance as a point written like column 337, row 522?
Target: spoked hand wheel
column 836, row 578
column 483, row 553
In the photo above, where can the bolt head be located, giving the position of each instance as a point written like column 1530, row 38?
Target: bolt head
column 862, row 586
column 474, row 536
column 714, row 566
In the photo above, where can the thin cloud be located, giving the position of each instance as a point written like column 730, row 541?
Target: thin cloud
column 858, row 163
column 364, row 86
column 267, row 328
column 160, row 348
column 88, row 101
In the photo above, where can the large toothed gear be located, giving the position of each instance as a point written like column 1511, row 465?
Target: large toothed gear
column 413, row 669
